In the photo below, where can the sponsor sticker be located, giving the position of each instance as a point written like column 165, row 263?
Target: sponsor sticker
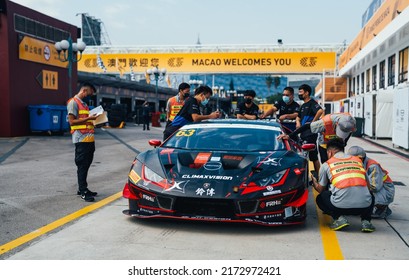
column 271, row 192
column 204, row 192
column 270, row 161
column 212, row 165
column 148, row 197
column 208, row 177
column 177, row 186
column 273, row 203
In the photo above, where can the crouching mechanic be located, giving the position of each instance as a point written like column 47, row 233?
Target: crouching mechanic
column 348, row 193
column 380, row 184
column 338, row 125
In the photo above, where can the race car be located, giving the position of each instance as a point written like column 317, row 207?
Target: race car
column 224, row 170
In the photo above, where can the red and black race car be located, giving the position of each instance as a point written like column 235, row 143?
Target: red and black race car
column 221, row 170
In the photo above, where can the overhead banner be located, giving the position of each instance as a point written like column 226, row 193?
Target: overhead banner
column 273, row 62
column 39, row 51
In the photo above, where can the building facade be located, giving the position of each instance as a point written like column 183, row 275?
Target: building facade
column 375, row 66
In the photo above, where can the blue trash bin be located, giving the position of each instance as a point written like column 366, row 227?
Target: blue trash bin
column 64, row 117
column 44, row 118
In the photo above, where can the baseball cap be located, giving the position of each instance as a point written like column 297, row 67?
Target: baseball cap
column 250, row 92
column 346, row 125
column 357, row 151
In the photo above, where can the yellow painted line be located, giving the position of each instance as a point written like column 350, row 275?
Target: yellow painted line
column 330, row 244
column 58, row 223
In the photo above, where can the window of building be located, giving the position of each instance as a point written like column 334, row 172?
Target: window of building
column 39, row 30
column 357, row 84
column 382, row 74
column 391, row 70
column 353, row 86
column 368, row 79
column 403, row 65
column 362, row 82
column 374, row 77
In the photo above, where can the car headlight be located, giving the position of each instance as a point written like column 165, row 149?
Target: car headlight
column 151, row 175
column 271, row 180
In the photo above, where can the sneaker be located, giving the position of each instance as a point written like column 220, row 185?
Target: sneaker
column 90, row 192
column 367, row 226
column 87, row 196
column 339, row 223
column 381, row 212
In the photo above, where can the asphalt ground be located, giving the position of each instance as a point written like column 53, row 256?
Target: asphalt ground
column 42, row 218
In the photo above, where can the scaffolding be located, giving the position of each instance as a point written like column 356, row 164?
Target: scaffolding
column 94, row 32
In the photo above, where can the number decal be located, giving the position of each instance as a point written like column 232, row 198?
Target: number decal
column 186, row 133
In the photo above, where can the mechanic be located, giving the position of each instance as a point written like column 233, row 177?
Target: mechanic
column 310, row 111
column 190, row 111
column 176, row 102
column 247, row 109
column 288, row 110
column 380, row 184
column 340, row 125
column 348, row 193
column 82, row 130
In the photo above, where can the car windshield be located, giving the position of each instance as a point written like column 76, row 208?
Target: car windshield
column 226, row 137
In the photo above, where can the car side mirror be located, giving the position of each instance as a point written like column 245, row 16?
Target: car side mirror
column 155, row 142
column 308, row 147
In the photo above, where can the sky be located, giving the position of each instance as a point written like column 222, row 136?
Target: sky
column 215, row 22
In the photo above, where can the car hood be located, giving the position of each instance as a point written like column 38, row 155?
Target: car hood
column 191, row 172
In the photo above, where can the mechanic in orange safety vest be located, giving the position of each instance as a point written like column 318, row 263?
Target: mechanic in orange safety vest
column 82, row 130
column 338, row 125
column 381, row 185
column 348, row 192
column 83, row 113
column 175, row 103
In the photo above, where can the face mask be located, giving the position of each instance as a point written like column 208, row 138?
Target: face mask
column 186, row 95
column 204, row 102
column 301, row 97
column 286, row 99
column 248, row 100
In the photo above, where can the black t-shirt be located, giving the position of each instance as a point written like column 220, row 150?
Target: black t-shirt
column 242, row 109
column 184, row 116
column 285, row 108
column 307, row 113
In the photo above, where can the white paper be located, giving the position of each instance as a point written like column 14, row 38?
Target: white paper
column 97, row 110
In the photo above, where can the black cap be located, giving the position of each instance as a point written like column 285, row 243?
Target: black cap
column 250, row 92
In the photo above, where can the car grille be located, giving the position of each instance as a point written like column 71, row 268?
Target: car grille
column 164, row 202
column 204, row 207
column 247, row 207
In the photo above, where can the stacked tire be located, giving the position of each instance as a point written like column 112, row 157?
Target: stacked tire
column 117, row 114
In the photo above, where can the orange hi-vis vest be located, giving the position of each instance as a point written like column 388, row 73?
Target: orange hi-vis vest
column 347, row 172
column 174, row 107
column 385, row 177
column 329, row 132
column 83, row 112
